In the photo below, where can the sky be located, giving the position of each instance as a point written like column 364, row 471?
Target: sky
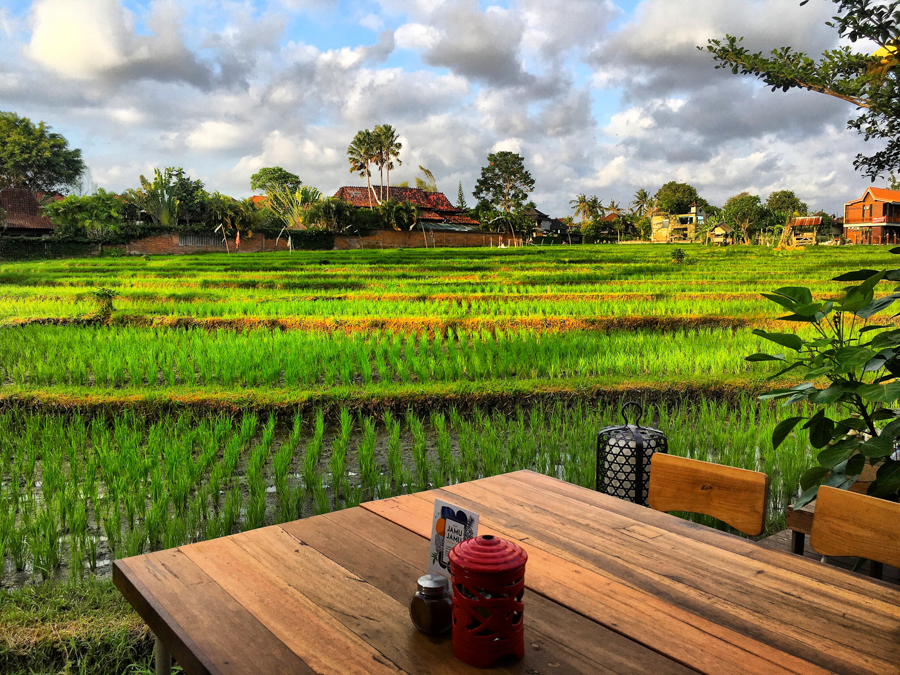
column 600, row 97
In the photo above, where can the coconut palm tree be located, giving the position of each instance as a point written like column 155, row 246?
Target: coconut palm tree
column 613, row 207
column 388, row 150
column 641, row 202
column 361, row 153
column 586, row 207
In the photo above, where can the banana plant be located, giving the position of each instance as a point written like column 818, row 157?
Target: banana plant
column 158, row 199
column 860, row 361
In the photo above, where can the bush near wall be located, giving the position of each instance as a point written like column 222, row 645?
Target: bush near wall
column 30, row 248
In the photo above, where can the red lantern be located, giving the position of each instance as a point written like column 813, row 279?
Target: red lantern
column 488, row 575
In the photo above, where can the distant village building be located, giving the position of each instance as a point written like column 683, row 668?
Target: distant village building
column 874, row 218
column 23, row 216
column 801, row 231
column 435, row 210
column 721, row 235
column 665, row 229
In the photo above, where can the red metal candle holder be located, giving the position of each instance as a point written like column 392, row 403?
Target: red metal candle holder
column 488, row 576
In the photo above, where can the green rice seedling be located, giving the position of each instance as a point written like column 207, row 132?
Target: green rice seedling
column 44, row 541
column 419, row 453
column 320, row 500
column 135, row 540
column 395, row 461
column 176, row 532
column 446, row 469
column 313, row 453
column 366, row 457
column 17, row 546
column 256, row 502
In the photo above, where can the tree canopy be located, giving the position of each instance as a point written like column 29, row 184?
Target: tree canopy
column 272, row 178
column 34, row 158
column 785, row 201
column 742, row 211
column 504, row 182
column 674, row 197
column 868, row 81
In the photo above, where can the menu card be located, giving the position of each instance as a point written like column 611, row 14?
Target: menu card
column 449, row 526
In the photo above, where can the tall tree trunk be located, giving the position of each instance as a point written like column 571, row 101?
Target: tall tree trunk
column 389, row 181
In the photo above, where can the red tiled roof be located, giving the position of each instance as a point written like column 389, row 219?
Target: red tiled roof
column 258, row 199
column 881, row 194
column 23, row 211
column 609, row 217
column 433, row 206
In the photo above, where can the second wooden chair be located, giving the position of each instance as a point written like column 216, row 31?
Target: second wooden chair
column 735, row 496
column 851, row 524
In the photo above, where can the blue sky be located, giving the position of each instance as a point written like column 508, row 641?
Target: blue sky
column 599, row 97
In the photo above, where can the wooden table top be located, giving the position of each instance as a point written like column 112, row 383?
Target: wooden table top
column 612, row 588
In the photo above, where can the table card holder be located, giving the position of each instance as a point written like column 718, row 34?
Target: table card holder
column 449, row 526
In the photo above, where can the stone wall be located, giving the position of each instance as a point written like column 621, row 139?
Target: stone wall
column 171, row 244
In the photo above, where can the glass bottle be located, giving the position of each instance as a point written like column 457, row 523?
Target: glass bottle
column 431, row 608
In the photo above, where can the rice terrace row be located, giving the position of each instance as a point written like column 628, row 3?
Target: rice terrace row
column 202, row 396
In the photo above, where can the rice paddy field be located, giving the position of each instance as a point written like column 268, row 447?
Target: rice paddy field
column 228, row 392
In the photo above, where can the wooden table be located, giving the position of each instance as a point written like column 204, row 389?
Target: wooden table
column 612, row 588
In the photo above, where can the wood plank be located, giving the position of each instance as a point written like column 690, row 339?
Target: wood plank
column 693, row 641
column 389, row 556
column 850, row 524
column 272, row 587
column 800, row 520
column 793, row 614
column 212, row 637
column 734, row 496
column 878, row 591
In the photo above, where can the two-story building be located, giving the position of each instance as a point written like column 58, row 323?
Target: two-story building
column 874, row 218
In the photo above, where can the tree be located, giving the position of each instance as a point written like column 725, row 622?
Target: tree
column 272, row 178
column 641, row 203
column 504, row 182
column 586, row 207
column 398, row 215
column 742, row 211
column 157, row 199
column 678, row 198
column 191, row 196
column 429, row 184
column 94, row 216
column 292, row 207
column 361, row 153
column 461, row 199
column 894, row 182
column 33, row 158
column 331, row 214
column 387, row 149
column 869, row 82
column 613, row 207
column 785, row 201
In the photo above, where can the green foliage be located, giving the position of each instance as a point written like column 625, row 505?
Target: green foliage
column 868, row 82
column 332, row 214
column 785, row 201
column 504, row 182
column 894, row 182
column 361, row 153
column 104, row 298
column 677, row 198
column 387, row 151
column 272, row 178
column 742, row 212
column 587, row 208
column 292, row 208
column 428, row 183
column 157, row 199
column 678, row 256
column 460, row 200
column 861, row 363
column 398, row 215
column 34, row 158
column 191, row 195
column 96, row 216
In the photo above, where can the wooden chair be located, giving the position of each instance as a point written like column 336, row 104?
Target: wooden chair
column 735, row 496
column 851, row 524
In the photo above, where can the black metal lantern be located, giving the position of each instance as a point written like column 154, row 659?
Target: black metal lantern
column 623, row 457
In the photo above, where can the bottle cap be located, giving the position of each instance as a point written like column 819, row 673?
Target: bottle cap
column 433, row 585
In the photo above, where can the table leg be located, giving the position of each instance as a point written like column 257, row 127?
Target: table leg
column 163, row 659
column 876, row 569
column 798, row 542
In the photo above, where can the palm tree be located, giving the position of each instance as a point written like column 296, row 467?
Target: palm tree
column 361, row 153
column 613, row 207
column 388, row 150
column 642, row 202
column 585, row 207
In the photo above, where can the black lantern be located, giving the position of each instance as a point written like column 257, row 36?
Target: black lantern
column 623, row 457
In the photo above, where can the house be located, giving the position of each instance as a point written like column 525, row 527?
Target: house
column 23, row 215
column 666, row 229
column 541, row 220
column 874, row 218
column 720, row 235
column 435, row 210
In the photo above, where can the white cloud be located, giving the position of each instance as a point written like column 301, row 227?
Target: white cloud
column 417, row 36
column 215, row 135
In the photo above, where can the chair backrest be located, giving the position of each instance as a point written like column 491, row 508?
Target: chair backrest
column 734, row 496
column 850, row 524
